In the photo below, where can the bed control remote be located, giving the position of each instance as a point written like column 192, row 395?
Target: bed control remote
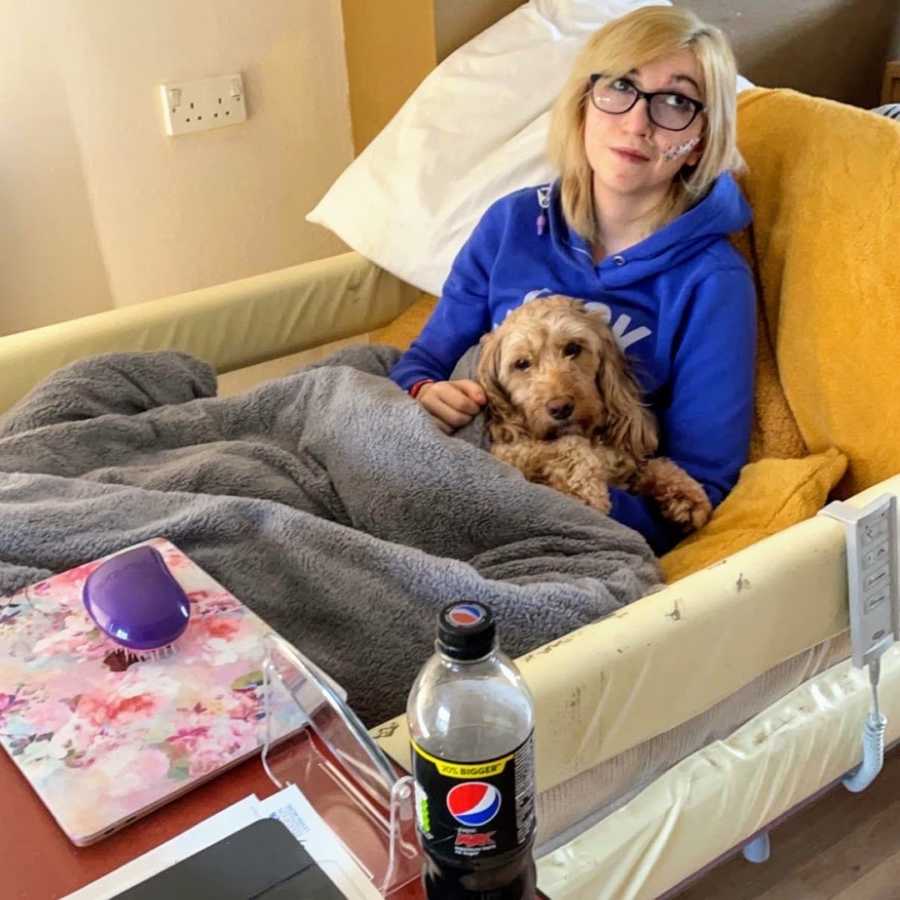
column 872, row 575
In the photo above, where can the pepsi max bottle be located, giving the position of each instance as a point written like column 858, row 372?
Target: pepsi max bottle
column 471, row 721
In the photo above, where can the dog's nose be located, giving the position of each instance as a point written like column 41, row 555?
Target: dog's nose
column 560, row 409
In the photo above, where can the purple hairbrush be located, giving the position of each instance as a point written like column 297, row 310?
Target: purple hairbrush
column 136, row 602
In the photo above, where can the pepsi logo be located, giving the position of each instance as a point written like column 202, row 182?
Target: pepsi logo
column 473, row 803
column 465, row 614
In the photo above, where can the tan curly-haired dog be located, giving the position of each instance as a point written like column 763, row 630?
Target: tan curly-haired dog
column 564, row 409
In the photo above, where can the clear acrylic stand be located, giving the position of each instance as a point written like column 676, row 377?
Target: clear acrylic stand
column 344, row 774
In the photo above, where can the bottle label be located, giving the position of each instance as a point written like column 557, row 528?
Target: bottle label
column 475, row 809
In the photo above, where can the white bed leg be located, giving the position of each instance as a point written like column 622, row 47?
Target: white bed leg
column 757, row 850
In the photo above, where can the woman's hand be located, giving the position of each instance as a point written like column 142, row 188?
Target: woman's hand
column 452, row 403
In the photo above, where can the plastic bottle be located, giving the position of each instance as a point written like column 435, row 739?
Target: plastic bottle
column 471, row 721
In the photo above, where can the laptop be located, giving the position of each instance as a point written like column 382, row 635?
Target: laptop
column 103, row 739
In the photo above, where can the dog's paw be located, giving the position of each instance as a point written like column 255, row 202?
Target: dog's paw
column 595, row 495
column 680, row 498
column 588, row 487
column 579, row 471
column 690, row 509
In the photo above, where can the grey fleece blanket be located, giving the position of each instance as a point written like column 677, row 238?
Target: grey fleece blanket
column 327, row 501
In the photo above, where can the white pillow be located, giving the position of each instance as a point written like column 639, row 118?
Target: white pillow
column 474, row 130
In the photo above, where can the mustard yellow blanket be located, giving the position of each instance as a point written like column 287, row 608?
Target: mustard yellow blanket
column 824, row 184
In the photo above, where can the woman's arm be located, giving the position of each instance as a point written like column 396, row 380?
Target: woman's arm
column 707, row 413
column 462, row 314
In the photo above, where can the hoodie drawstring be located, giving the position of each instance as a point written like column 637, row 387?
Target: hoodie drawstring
column 543, row 198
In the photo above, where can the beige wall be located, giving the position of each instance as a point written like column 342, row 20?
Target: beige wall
column 390, row 49
column 50, row 263
column 458, row 21
column 100, row 207
column 392, row 45
column 831, row 48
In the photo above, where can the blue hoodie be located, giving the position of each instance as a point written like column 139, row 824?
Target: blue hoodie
column 681, row 304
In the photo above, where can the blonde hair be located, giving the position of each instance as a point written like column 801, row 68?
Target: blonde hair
column 625, row 44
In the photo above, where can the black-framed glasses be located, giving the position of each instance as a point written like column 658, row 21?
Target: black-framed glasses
column 667, row 109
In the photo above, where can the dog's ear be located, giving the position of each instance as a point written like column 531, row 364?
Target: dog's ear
column 630, row 426
column 504, row 422
column 489, row 372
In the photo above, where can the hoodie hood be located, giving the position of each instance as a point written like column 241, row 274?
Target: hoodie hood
column 720, row 213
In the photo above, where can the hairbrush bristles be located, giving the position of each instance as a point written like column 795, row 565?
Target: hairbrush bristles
column 154, row 655
column 119, row 659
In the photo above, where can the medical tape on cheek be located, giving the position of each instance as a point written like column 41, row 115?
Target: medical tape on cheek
column 680, row 149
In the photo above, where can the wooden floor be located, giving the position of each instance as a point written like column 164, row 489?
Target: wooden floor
column 843, row 847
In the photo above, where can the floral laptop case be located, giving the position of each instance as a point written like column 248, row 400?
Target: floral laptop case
column 104, row 739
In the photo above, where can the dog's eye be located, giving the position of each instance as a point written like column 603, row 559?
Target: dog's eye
column 522, row 364
column 572, row 349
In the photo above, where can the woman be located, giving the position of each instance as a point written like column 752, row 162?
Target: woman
column 644, row 137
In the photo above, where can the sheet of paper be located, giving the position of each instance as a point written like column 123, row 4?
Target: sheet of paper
column 204, row 834
column 289, row 806
column 296, row 812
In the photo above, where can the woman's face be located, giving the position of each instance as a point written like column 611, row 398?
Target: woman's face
column 629, row 153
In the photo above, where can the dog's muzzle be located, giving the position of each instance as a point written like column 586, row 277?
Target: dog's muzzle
column 560, row 410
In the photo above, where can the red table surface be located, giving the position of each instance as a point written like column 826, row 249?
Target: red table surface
column 40, row 863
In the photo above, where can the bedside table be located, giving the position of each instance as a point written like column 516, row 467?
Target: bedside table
column 890, row 88
column 40, row 863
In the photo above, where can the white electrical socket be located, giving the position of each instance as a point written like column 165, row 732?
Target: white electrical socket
column 201, row 105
